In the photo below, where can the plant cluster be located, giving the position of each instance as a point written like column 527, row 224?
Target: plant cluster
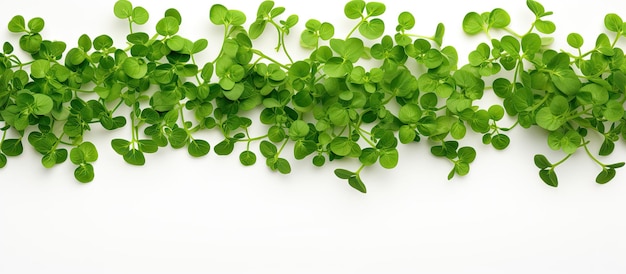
column 333, row 104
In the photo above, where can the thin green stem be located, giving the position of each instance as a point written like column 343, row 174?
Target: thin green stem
column 130, row 25
column 223, row 43
column 360, row 132
column 261, row 54
column 591, row 155
column 562, row 160
column 512, row 32
column 355, row 28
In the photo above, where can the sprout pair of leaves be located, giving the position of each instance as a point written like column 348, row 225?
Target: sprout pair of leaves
column 123, row 9
column 316, row 30
column 354, row 179
column 220, row 15
column 133, row 152
column 272, row 157
column 349, row 50
column 369, row 28
column 460, row 157
column 266, row 14
column 496, row 138
column 406, row 21
column 498, row 18
column 82, row 156
column 548, row 175
column 31, row 40
column 474, row 23
column 47, row 144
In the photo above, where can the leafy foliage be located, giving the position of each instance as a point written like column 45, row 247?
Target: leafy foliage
column 327, row 107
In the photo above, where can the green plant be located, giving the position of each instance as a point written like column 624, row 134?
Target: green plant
column 329, row 106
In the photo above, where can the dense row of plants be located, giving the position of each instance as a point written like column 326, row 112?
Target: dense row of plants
column 356, row 96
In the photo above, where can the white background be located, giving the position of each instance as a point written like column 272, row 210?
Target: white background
column 211, row 215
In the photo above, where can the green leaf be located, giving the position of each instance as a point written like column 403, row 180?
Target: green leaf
column 148, row 146
column 500, row 141
column 614, row 111
column 247, row 158
column 575, row 40
column 467, row 154
column 217, row 14
column 35, row 25
column 84, row 173
column 298, row 129
column 496, row 112
column 235, row 17
column 547, row 120
column 439, row 32
column 341, row 146
column 607, row 147
column 171, row 12
column 606, row 175
column 458, row 130
column 40, row 68
column 372, row 29
column 536, row 8
column 406, row 134
column 120, row 146
column 89, row 152
column 7, row 48
column 541, row 161
column 123, row 9
column 54, row 157
column 140, row 15
column 389, row 158
column 499, row 18
column 224, row 147
column 135, row 68
column 178, row 138
column 410, row 113
column 566, row 80
column 406, row 20
column 356, row 183
column 167, row 26
column 102, row 42
column 84, row 42
column 3, row 160
column 42, row 104
column 599, row 95
column 559, row 105
column 613, row 22
column 546, row 27
column 17, row 24
column 319, row 160
column 12, row 147
column 31, row 43
column 268, row 150
column 369, row 156
column 326, row 31
column 531, row 44
column 354, row 9
column 198, row 148
column 375, row 8
column 303, row 148
column 283, row 166
column 199, row 45
column 135, row 157
column 343, row 173
column 549, row 177
column 473, row 23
